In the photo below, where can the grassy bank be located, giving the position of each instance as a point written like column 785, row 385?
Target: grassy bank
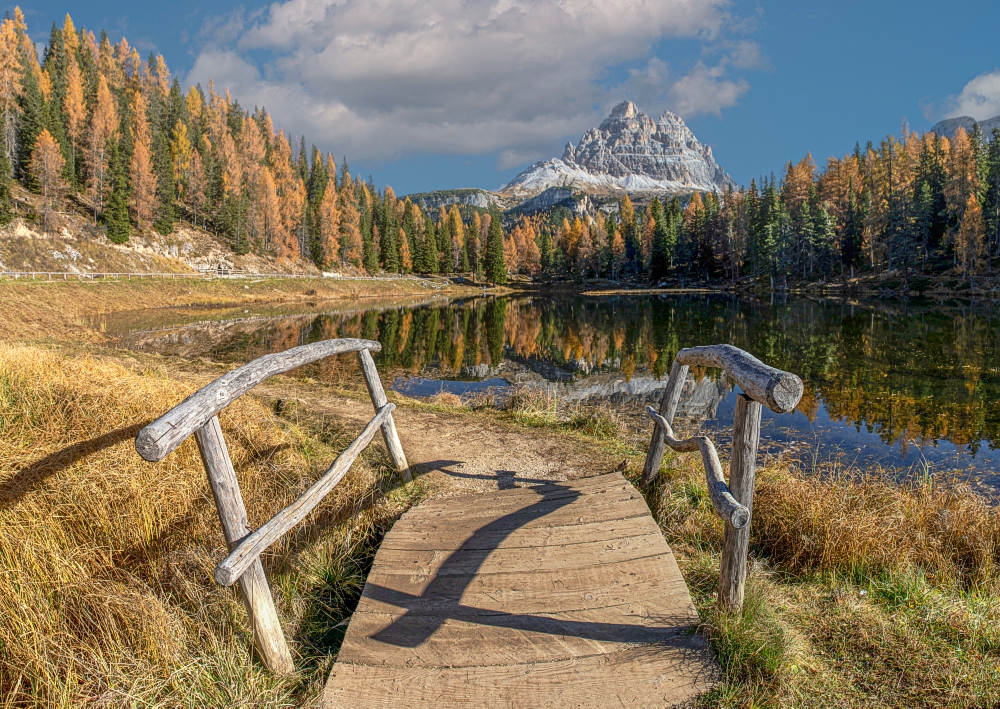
column 106, row 593
column 59, row 309
column 862, row 593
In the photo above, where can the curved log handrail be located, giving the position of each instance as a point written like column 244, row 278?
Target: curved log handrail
column 777, row 390
column 253, row 545
column 724, row 503
column 159, row 438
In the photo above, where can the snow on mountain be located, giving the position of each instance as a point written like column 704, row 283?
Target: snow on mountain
column 628, row 152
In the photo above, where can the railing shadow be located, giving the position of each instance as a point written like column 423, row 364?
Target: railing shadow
column 463, row 563
column 22, row 482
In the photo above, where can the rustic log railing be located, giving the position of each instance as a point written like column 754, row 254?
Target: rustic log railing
column 761, row 384
column 198, row 415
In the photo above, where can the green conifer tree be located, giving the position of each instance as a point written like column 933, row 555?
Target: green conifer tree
column 494, row 268
column 6, row 202
column 116, row 218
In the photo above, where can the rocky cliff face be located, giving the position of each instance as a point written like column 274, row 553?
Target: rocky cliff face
column 949, row 126
column 628, row 152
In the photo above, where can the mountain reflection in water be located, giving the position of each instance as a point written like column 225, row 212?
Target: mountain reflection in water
column 899, row 384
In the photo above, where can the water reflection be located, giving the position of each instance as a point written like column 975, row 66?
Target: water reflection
column 894, row 383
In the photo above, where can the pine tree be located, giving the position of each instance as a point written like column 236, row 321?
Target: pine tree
column 116, row 217
column 494, row 268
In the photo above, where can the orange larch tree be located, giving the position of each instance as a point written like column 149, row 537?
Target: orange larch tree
column 143, row 177
column 103, row 124
column 46, row 169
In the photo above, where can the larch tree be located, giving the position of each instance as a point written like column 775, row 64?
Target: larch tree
column 405, row 261
column 103, row 124
column 351, row 251
column 329, row 226
column 11, row 88
column 46, row 169
column 74, row 108
column 141, row 168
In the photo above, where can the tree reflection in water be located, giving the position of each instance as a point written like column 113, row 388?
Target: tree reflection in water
column 903, row 372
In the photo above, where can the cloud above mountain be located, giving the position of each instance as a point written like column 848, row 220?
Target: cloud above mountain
column 380, row 79
column 980, row 98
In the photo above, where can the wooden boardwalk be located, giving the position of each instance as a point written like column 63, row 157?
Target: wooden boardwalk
column 560, row 595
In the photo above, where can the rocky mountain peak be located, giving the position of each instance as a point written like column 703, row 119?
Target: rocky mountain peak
column 628, row 152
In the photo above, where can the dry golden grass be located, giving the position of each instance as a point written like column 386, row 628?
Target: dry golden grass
column 106, row 593
column 863, row 592
column 869, row 525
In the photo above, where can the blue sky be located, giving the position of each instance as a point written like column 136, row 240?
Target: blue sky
column 438, row 94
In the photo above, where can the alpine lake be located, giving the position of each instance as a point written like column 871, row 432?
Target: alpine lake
column 901, row 388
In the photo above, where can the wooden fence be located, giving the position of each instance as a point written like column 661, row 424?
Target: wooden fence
column 203, row 275
column 761, row 384
column 198, row 415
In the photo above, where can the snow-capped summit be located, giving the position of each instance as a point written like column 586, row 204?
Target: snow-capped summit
column 628, row 152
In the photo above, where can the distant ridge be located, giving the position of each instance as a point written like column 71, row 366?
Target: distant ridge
column 949, row 126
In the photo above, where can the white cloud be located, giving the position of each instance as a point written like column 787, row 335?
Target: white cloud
column 378, row 79
column 704, row 90
column 980, row 98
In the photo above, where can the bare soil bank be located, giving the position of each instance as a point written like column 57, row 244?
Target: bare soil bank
column 60, row 309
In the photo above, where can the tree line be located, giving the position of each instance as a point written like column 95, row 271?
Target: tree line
column 919, row 203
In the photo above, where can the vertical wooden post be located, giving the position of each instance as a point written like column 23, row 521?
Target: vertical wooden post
column 742, row 469
column 668, row 407
column 268, row 636
column 379, row 400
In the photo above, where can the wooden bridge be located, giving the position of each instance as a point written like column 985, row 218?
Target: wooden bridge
column 562, row 594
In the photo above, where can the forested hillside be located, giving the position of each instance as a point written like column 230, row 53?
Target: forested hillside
column 918, row 203
column 92, row 122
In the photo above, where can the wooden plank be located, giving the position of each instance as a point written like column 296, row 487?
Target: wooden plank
column 379, row 401
column 648, row 676
column 268, row 636
column 162, row 436
column 252, row 546
column 641, row 581
column 506, row 537
column 506, row 639
column 472, row 561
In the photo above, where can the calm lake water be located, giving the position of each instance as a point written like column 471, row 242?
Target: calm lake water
column 907, row 386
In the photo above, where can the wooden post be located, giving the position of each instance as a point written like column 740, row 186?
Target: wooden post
column 742, row 468
column 268, row 636
column 379, row 400
column 668, row 407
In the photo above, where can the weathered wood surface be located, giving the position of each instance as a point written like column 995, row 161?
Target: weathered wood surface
column 162, row 436
column 724, row 503
column 560, row 595
column 742, row 470
column 668, row 408
column 779, row 391
column 268, row 636
column 379, row 400
column 253, row 545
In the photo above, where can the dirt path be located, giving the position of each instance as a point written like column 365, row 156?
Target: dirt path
column 459, row 453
